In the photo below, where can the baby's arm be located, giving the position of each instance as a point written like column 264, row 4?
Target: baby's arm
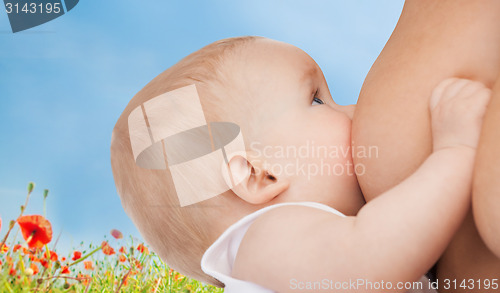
column 394, row 238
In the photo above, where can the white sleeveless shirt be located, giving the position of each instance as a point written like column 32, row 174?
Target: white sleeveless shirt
column 219, row 258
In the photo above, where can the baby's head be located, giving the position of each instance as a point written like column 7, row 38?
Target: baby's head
column 297, row 143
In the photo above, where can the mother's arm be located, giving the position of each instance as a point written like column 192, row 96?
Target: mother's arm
column 486, row 195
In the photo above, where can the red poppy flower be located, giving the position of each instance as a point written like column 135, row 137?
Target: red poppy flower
column 116, row 234
column 35, row 269
column 88, row 265
column 85, row 279
column 125, row 280
column 122, row 258
column 142, row 248
column 63, row 258
column 12, row 271
column 4, row 248
column 45, row 263
column 16, row 247
column 53, row 255
column 76, row 255
column 122, row 249
column 138, row 265
column 33, row 258
column 26, row 251
column 64, row 270
column 178, row 277
column 106, row 249
column 37, row 231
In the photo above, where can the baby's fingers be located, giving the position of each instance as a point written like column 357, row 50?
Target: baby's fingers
column 472, row 88
column 441, row 91
column 457, row 110
column 478, row 100
column 455, row 89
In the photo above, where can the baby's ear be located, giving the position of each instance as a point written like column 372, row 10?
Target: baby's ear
column 253, row 182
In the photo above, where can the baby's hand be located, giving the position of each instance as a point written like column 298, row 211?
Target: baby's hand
column 457, row 109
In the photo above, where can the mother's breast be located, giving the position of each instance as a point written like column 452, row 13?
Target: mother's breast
column 432, row 41
column 486, row 191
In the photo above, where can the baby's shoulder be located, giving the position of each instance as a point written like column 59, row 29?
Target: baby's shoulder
column 280, row 233
column 294, row 217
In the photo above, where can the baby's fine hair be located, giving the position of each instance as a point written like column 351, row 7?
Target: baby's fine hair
column 179, row 235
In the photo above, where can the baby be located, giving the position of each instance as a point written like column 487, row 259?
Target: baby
column 279, row 228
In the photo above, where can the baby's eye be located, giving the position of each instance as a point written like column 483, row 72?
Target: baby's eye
column 317, row 101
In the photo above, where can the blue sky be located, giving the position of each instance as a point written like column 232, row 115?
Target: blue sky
column 64, row 84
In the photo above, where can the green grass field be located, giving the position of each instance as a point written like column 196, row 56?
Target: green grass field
column 116, row 265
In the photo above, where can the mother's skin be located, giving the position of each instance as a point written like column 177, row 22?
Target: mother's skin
column 434, row 40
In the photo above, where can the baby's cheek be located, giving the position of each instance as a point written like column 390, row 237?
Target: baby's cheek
column 337, row 129
column 337, row 139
